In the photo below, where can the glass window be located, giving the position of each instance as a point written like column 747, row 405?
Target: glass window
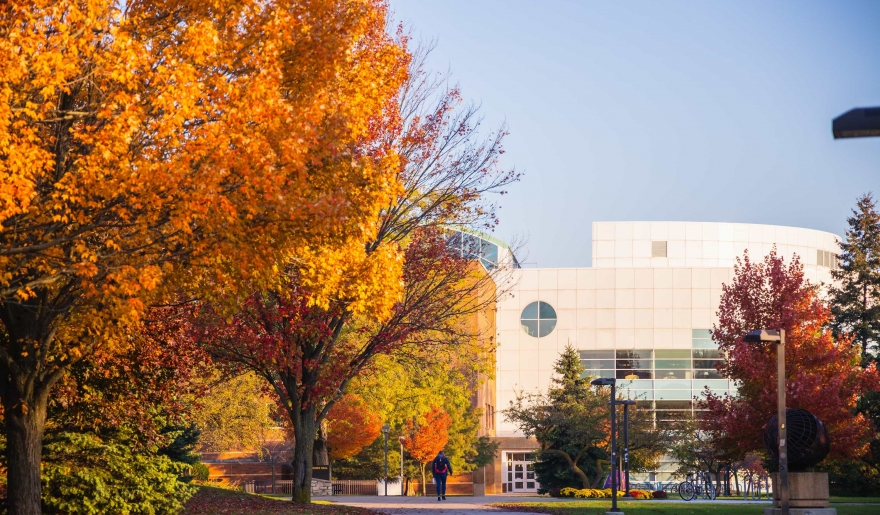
column 635, row 364
column 538, row 319
column 673, row 374
column 706, row 363
column 674, row 405
column 672, row 384
column 530, row 312
column 489, row 251
column 546, row 311
column 598, row 364
column 672, row 354
column 640, row 395
column 638, row 384
column 707, row 374
column 672, row 394
column 470, row 245
column 672, row 363
column 701, row 333
column 530, row 327
column 707, row 354
column 714, row 384
column 634, row 374
column 704, row 344
column 635, row 354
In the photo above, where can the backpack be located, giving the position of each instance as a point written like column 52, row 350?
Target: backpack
column 440, row 467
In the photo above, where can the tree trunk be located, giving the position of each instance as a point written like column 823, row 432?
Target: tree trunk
column 424, row 481
column 320, row 453
column 25, row 422
column 303, row 449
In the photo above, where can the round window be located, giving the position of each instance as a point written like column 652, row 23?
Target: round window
column 538, row 319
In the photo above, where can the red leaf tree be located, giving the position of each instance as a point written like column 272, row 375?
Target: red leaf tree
column 423, row 440
column 351, row 427
column 822, row 373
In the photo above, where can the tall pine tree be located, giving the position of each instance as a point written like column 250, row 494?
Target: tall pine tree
column 855, row 298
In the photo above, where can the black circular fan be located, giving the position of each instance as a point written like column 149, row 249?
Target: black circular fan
column 807, row 443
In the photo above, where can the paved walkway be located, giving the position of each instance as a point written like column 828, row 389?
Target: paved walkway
column 456, row 505
column 464, row 505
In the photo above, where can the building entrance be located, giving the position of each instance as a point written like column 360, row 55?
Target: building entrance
column 519, row 472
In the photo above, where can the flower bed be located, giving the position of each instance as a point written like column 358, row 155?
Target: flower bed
column 595, row 493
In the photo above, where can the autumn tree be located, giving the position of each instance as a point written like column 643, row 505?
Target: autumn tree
column 121, row 418
column 823, row 374
column 234, row 413
column 310, row 350
column 426, row 436
column 402, row 386
column 352, row 425
column 149, row 147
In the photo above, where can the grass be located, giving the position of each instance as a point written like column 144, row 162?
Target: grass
column 218, row 501
column 665, row 508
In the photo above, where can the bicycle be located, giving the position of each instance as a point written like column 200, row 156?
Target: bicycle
column 701, row 485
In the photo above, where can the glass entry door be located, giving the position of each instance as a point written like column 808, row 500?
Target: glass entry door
column 519, row 472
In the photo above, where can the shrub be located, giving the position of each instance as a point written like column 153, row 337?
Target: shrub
column 85, row 475
column 199, row 472
column 659, row 494
column 555, row 492
column 640, row 494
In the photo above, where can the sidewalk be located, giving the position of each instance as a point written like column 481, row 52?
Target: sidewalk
column 462, row 505
column 458, row 505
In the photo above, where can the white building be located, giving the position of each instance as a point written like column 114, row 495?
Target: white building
column 642, row 312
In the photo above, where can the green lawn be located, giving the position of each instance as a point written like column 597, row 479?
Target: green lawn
column 215, row 501
column 666, row 508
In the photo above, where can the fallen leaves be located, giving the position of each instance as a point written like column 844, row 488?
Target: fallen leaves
column 217, row 501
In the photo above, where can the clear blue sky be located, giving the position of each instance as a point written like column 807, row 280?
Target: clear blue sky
column 674, row 110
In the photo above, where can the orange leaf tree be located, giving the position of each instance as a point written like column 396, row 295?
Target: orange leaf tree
column 823, row 374
column 404, row 286
column 426, row 437
column 154, row 146
column 352, row 425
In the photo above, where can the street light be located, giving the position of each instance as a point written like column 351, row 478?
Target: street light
column 610, row 381
column 385, row 430
column 861, row 122
column 626, row 404
column 778, row 337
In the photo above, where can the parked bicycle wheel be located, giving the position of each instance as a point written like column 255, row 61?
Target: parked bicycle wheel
column 709, row 492
column 686, row 491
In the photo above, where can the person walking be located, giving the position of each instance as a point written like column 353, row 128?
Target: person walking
column 441, row 468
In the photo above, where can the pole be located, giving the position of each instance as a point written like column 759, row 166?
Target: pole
column 402, row 491
column 386, row 463
column 780, row 415
column 613, row 450
column 626, row 447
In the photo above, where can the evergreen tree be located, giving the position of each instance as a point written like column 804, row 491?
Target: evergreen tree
column 571, row 424
column 855, row 299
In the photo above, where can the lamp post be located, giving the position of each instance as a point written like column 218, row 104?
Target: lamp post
column 401, row 439
column 778, row 337
column 861, row 122
column 626, row 404
column 385, row 430
column 610, row 381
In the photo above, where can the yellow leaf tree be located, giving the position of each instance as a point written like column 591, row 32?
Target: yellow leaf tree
column 153, row 147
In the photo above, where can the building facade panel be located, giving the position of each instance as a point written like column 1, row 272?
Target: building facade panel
column 653, row 292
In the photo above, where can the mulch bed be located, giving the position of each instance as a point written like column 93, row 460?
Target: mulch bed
column 217, row 501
